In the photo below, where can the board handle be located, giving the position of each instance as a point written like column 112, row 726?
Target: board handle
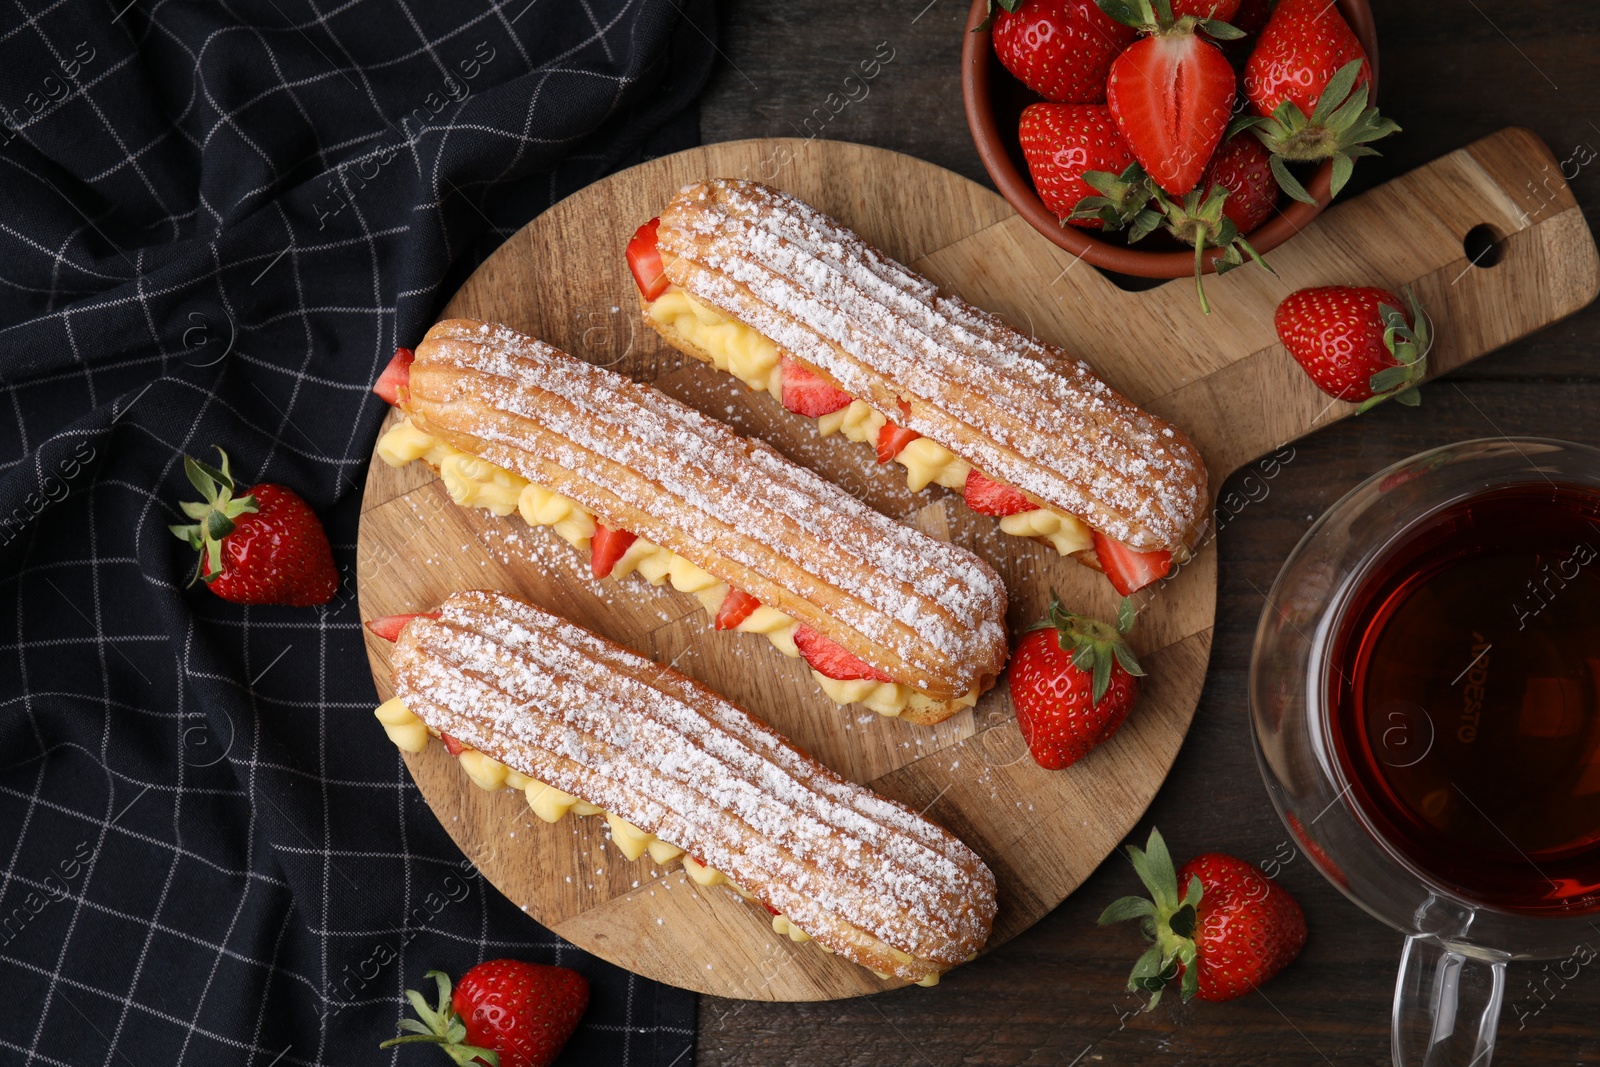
column 1533, row 263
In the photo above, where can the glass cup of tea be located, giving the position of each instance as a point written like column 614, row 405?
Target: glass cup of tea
column 1425, row 692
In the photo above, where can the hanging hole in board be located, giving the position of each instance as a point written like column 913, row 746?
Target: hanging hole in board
column 1482, row 246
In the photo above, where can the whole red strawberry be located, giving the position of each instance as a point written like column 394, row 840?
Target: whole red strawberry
column 1171, row 92
column 1307, row 81
column 1062, row 143
column 1301, row 48
column 1231, row 930
column 1247, row 930
column 505, row 1013
column 266, row 547
column 1356, row 343
column 1061, row 49
column 1073, row 682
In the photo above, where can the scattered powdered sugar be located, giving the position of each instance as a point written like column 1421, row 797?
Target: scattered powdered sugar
column 1020, row 411
column 586, row 716
column 931, row 611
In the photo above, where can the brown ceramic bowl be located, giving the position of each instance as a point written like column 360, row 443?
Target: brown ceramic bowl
column 995, row 101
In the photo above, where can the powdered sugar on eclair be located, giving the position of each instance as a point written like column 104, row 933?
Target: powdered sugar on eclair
column 1023, row 412
column 560, row 705
column 714, row 498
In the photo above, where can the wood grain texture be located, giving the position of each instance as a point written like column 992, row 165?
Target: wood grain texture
column 1224, row 379
column 1054, row 997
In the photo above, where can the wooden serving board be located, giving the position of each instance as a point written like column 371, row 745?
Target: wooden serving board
column 1225, row 379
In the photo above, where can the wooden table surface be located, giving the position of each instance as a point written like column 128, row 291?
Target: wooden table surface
column 1452, row 71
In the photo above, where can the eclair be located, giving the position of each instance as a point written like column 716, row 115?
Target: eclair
column 761, row 285
column 884, row 615
column 528, row 701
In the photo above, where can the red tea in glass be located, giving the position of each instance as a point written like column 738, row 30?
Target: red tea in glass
column 1465, row 696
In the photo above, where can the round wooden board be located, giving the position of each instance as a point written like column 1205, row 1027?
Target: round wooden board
column 563, row 278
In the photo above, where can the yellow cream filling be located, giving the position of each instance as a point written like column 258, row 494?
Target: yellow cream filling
column 475, row 482
column 733, row 346
column 926, row 462
column 552, row 805
column 1066, row 533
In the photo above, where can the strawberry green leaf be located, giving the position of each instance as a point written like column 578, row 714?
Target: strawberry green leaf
column 1147, row 966
column 1126, row 908
column 1337, row 92
column 1388, row 378
column 440, row 1026
column 1409, row 397
column 1241, row 123
column 1127, row 615
column 1102, row 677
column 1255, row 257
column 1125, row 657
column 1160, row 864
column 1220, row 30
column 1182, row 921
column 1343, row 166
column 1125, row 13
column 202, row 477
column 1144, row 223
column 1288, row 182
column 1191, row 979
column 218, row 526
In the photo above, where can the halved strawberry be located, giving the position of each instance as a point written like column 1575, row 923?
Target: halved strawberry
column 805, row 393
column 395, row 377
column 989, row 497
column 388, row 627
column 1171, row 95
column 833, row 660
column 455, row 747
column 736, row 607
column 644, row 259
column 606, row 547
column 892, row 440
column 1128, row 570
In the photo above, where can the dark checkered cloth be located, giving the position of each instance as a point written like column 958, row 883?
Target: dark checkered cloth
column 218, row 220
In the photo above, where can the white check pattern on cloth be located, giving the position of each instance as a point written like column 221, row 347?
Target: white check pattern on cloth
column 218, row 221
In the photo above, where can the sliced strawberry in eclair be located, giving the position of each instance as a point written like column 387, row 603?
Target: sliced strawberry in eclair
column 885, row 615
column 789, row 301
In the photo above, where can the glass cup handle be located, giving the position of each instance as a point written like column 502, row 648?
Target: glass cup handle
column 1446, row 1006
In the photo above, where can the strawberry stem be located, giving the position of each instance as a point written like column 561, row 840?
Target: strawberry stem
column 440, row 1026
column 214, row 516
column 1409, row 342
column 1094, row 644
column 1199, row 220
column 1339, row 128
column 1166, row 920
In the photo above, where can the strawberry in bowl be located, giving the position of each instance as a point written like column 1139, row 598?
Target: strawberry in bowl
column 1202, row 196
